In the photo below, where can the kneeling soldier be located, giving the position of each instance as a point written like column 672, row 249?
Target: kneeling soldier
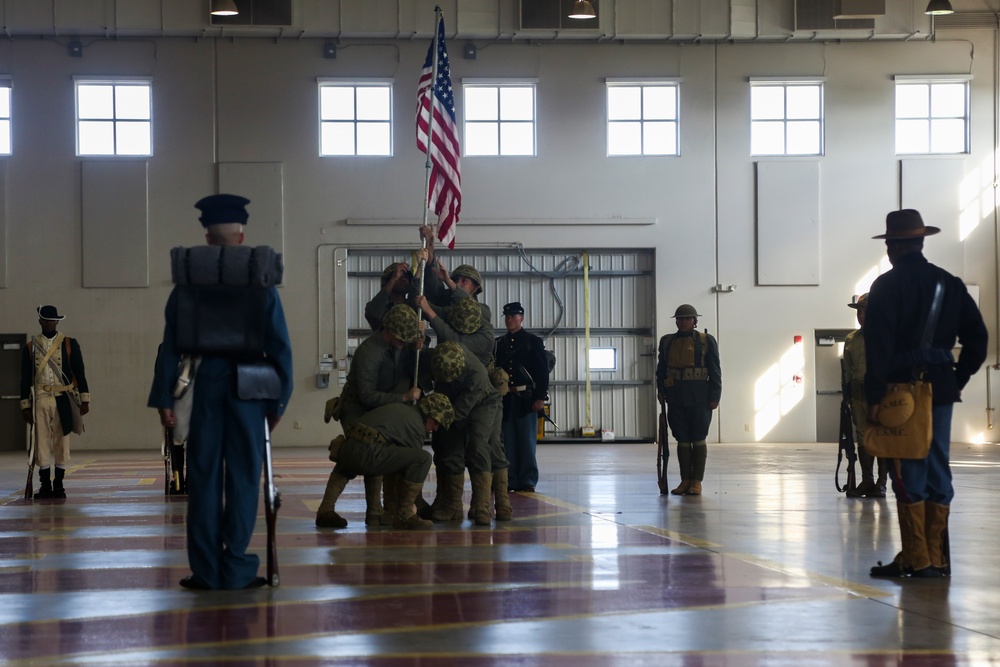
column 387, row 441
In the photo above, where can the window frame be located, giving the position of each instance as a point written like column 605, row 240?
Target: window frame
column 355, row 83
column 499, row 84
column 114, row 82
column 786, row 82
column 643, row 83
column 7, row 81
column 932, row 80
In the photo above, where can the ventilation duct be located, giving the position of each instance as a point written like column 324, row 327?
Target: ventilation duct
column 816, row 15
column 858, row 9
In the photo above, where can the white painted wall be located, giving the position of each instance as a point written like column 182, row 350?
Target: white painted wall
column 703, row 201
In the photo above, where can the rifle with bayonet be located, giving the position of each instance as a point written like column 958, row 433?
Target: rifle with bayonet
column 662, row 451
column 272, row 501
column 29, row 487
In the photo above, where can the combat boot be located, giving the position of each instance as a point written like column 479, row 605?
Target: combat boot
column 684, row 463
column 482, row 486
column 448, row 505
column 699, row 453
column 867, row 485
column 45, row 484
column 407, row 518
column 936, row 522
column 501, row 497
column 58, row 491
column 390, row 488
column 373, row 501
column 326, row 515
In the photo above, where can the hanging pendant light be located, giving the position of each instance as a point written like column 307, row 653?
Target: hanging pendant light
column 224, row 8
column 582, row 9
column 938, row 8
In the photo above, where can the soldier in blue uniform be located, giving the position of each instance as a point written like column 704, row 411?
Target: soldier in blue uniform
column 226, row 442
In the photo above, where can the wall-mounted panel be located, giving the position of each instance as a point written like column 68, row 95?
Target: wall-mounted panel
column 788, row 223
column 115, row 221
column 3, row 224
column 935, row 187
column 263, row 184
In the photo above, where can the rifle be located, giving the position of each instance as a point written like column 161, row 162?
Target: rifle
column 272, row 501
column 168, row 439
column 846, row 439
column 173, row 461
column 29, row 486
column 662, row 451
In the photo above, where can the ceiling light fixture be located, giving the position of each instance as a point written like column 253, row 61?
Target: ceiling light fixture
column 224, row 8
column 582, row 9
column 938, row 8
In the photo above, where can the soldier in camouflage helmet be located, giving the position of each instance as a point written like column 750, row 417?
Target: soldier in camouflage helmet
column 399, row 283
column 463, row 379
column 689, row 380
column 388, row 442
column 381, row 373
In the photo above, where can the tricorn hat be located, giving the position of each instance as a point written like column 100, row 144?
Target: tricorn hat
column 49, row 313
column 906, row 224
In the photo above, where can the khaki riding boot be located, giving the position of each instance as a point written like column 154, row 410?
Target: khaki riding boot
column 406, row 518
column 684, row 463
column 501, row 497
column 373, row 500
column 482, row 488
column 326, row 515
column 699, row 452
column 919, row 557
column 448, row 505
column 936, row 523
column 900, row 565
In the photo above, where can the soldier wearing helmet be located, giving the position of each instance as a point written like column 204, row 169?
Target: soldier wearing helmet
column 388, row 441
column 381, row 374
column 689, row 380
column 399, row 283
column 853, row 382
column 462, row 378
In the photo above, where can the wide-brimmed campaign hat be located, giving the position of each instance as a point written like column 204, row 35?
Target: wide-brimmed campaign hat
column 906, row 224
column 49, row 313
column 859, row 302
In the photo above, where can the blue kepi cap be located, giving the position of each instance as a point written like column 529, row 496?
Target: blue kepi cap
column 220, row 209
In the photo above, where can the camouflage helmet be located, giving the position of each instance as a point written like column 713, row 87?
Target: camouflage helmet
column 388, row 271
column 859, row 302
column 470, row 272
column 466, row 316
column 685, row 310
column 448, row 362
column 438, row 407
column 401, row 321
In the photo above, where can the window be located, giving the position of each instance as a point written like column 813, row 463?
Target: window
column 642, row 118
column 355, row 118
column 603, row 359
column 114, row 117
column 499, row 118
column 932, row 115
column 5, row 134
column 786, row 117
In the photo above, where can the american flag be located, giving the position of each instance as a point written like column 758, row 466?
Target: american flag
column 445, row 191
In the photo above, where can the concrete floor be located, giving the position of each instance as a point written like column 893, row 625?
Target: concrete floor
column 768, row 567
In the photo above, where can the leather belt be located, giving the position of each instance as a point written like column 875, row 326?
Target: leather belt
column 520, row 387
column 53, row 388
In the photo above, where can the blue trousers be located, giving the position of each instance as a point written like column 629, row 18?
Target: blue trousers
column 520, row 438
column 225, row 454
column 929, row 479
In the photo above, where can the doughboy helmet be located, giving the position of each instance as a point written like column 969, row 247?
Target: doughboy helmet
column 685, row 310
column 438, row 407
column 401, row 321
column 470, row 272
column 448, row 362
column 466, row 316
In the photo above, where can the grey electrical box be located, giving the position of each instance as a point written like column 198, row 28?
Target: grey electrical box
column 322, row 380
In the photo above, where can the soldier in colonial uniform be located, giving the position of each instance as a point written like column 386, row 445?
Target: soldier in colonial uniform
column 52, row 376
column 522, row 356
column 689, row 379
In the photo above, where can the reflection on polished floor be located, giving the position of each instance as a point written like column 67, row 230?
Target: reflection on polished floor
column 768, row 567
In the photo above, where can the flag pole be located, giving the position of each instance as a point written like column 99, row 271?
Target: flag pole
column 428, row 166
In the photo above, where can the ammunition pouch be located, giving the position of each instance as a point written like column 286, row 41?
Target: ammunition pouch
column 366, row 435
column 685, row 375
column 257, row 381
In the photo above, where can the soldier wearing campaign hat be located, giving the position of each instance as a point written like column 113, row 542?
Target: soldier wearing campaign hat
column 853, row 382
column 522, row 355
column 53, row 388
column 914, row 296
column 226, row 433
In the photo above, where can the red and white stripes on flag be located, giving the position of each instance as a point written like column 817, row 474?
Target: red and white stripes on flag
column 445, row 192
